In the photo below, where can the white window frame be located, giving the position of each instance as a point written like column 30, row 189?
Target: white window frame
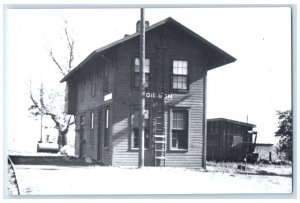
column 186, row 123
column 180, row 70
column 136, row 71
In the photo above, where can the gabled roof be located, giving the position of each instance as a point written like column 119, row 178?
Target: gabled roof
column 226, row 58
column 231, row 121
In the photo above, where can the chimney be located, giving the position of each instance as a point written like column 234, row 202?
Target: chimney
column 138, row 25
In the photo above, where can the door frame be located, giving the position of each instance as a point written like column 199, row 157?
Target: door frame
column 81, row 135
column 99, row 135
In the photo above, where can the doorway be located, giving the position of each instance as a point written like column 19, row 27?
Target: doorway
column 99, row 137
column 81, row 136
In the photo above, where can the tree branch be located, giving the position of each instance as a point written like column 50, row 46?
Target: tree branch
column 61, row 69
column 35, row 103
column 70, row 47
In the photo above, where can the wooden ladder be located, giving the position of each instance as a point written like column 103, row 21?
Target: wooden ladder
column 159, row 136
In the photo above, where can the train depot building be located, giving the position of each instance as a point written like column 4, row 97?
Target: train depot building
column 102, row 93
column 229, row 140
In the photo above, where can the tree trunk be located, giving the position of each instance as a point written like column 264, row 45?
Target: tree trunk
column 62, row 138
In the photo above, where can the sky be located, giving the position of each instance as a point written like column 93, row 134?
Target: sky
column 253, row 87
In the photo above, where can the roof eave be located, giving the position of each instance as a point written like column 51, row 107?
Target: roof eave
column 224, row 57
column 230, row 120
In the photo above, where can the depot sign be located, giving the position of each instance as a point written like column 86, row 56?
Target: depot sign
column 154, row 95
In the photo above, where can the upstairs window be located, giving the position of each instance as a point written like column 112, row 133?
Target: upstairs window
column 180, row 75
column 137, row 72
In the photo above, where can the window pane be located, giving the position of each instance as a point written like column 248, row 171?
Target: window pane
column 107, row 118
column 180, row 124
column 106, row 130
column 180, row 82
column 137, row 61
column 174, row 139
column 175, row 70
column 92, row 120
column 175, row 64
column 147, row 62
column 137, row 65
column 184, row 64
column 175, row 82
column 180, row 67
column 182, row 141
column 137, row 68
column 180, row 70
column 178, row 120
column 136, row 79
column 135, row 119
column 179, row 64
column 184, row 86
column 135, row 137
column 184, row 70
column 147, row 80
column 174, row 122
column 179, row 139
column 147, row 69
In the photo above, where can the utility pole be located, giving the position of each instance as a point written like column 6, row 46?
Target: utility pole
column 142, row 90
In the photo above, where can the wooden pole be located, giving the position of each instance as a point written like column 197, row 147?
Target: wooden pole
column 142, row 90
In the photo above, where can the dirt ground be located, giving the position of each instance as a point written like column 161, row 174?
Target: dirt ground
column 98, row 180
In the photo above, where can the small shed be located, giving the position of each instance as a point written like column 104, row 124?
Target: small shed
column 267, row 152
column 228, row 140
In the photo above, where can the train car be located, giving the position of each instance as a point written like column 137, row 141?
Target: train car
column 230, row 140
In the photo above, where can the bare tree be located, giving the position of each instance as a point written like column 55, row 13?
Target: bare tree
column 50, row 102
column 67, row 67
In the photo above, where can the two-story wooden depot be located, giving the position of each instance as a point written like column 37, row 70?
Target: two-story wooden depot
column 102, row 93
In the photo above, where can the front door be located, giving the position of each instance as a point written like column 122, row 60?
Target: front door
column 99, row 137
column 81, row 136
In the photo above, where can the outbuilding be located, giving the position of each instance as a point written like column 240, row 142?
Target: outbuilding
column 229, row 140
column 102, row 93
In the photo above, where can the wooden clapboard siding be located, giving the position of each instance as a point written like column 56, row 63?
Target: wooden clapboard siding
column 93, row 103
column 125, row 97
column 166, row 41
column 193, row 157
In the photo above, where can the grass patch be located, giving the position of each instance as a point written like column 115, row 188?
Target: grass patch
column 258, row 169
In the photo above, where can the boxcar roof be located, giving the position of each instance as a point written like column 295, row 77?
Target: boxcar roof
column 220, row 57
column 264, row 144
column 231, row 121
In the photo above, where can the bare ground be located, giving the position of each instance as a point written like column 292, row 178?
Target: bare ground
column 219, row 178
